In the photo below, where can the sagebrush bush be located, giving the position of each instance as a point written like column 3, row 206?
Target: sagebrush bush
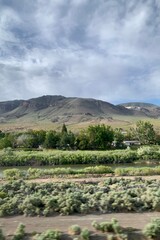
column 33, row 173
column 85, row 234
column 20, row 232
column 74, row 230
column 112, row 195
column 140, row 171
column 152, row 229
column 48, row 235
column 2, row 237
column 110, row 227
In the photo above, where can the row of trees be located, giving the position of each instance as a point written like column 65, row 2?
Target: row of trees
column 95, row 137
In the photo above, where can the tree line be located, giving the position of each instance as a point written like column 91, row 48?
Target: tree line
column 95, row 137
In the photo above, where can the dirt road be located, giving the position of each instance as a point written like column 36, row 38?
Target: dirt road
column 39, row 224
column 89, row 179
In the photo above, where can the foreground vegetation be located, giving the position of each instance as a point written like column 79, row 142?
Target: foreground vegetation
column 33, row 173
column 111, row 231
column 87, row 172
column 56, row 157
column 112, row 195
column 8, row 157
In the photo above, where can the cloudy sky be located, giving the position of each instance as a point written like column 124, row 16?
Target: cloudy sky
column 104, row 49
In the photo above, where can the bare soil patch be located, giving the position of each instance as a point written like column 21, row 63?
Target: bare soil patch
column 62, row 223
column 90, row 179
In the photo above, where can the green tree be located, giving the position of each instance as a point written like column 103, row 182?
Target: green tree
column 64, row 129
column 52, row 139
column 36, row 138
column 145, row 133
column 100, row 137
column 130, row 134
column 118, row 138
column 7, row 141
column 158, row 138
column 27, row 140
column 82, row 140
column 2, row 134
column 67, row 140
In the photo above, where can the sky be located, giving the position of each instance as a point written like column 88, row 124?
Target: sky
column 102, row 49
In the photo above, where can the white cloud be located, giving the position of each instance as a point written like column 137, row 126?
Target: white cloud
column 102, row 49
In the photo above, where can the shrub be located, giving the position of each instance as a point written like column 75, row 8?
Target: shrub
column 96, row 225
column 3, row 194
column 152, row 230
column 74, row 230
column 148, row 152
column 110, row 227
column 48, row 235
column 98, row 169
column 113, row 195
column 2, row 237
column 8, row 151
column 141, row 171
column 85, row 234
column 12, row 174
column 20, row 232
column 115, row 225
column 33, row 173
column 57, row 157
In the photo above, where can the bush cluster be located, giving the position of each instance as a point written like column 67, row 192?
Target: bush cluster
column 48, row 235
column 113, row 195
column 116, row 232
column 94, row 171
column 33, row 173
column 56, row 157
column 140, row 171
column 152, row 229
column 20, row 232
column 149, row 152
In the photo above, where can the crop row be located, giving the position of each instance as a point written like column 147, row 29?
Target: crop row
column 140, row 171
column 33, row 173
column 9, row 157
column 113, row 195
column 66, row 157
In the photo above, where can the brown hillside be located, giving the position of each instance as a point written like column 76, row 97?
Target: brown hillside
column 59, row 109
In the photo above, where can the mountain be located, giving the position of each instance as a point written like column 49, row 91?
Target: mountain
column 71, row 110
column 150, row 110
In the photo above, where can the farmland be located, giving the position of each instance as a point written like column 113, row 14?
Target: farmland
column 112, row 195
column 9, row 157
column 101, row 210
column 73, row 184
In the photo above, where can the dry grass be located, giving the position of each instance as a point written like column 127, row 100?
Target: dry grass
column 125, row 122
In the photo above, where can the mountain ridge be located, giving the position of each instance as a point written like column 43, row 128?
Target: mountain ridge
column 57, row 108
column 149, row 109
